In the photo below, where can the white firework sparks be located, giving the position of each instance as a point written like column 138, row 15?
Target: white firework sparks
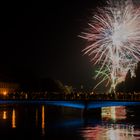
column 114, row 38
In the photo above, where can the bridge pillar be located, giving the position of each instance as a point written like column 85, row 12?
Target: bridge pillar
column 85, row 110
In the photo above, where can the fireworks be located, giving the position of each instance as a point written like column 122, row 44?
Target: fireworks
column 114, row 41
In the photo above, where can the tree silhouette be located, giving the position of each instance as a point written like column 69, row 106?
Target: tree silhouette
column 120, row 87
column 136, row 80
column 129, row 85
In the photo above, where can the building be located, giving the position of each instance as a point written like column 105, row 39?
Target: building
column 8, row 87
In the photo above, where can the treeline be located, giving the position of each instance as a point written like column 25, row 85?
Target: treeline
column 43, row 85
column 131, row 84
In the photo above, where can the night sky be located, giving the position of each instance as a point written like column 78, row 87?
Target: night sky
column 39, row 39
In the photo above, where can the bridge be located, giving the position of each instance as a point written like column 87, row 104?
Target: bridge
column 74, row 104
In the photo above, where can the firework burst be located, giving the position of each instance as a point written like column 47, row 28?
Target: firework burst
column 114, row 41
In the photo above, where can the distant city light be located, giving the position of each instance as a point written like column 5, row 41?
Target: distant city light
column 4, row 93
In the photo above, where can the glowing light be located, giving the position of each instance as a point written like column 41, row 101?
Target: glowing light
column 43, row 120
column 13, row 119
column 114, row 41
column 4, row 115
column 114, row 113
column 4, row 93
column 111, row 132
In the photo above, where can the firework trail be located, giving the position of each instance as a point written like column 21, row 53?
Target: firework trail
column 114, row 41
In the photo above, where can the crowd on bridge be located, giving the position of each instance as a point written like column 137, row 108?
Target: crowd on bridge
column 73, row 96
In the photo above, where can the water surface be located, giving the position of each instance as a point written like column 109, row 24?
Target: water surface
column 41, row 121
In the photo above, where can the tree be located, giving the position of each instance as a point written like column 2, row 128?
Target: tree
column 129, row 83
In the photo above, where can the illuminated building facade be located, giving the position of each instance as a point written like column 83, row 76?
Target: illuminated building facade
column 8, row 87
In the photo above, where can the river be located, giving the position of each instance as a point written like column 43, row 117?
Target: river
column 41, row 121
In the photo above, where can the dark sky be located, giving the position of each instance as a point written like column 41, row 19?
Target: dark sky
column 40, row 39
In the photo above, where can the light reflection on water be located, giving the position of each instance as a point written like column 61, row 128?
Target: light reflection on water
column 114, row 113
column 36, row 117
column 13, row 118
column 42, row 121
column 4, row 115
column 9, row 117
column 111, row 131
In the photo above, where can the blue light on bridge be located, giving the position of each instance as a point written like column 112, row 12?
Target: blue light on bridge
column 73, row 104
